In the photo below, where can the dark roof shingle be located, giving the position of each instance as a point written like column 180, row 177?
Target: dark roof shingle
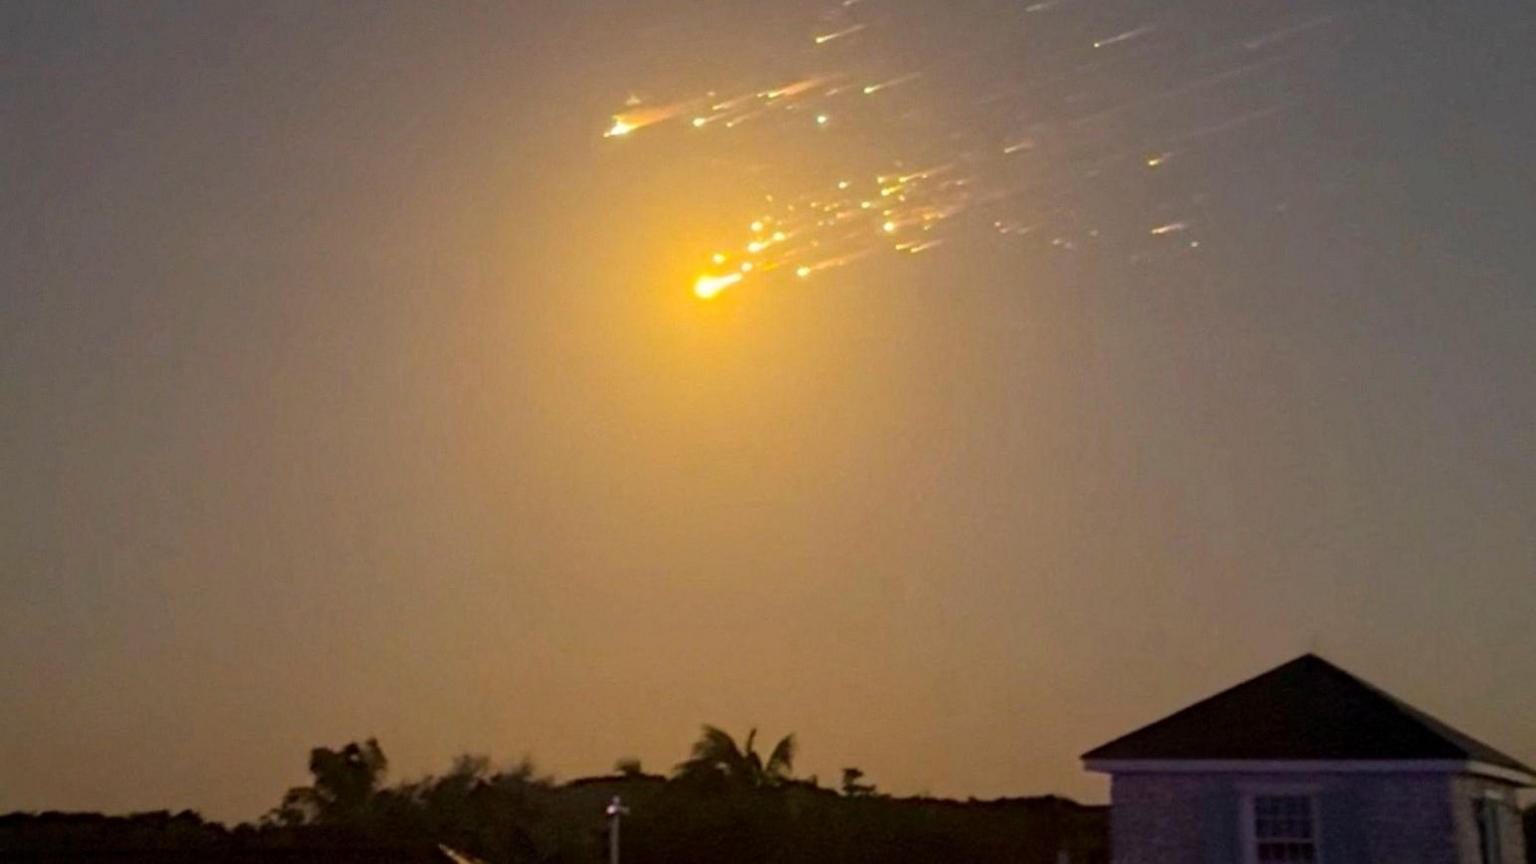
column 1307, row 709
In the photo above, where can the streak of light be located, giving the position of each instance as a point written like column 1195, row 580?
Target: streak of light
column 740, row 119
column 1041, row 7
column 1017, row 146
column 832, row 37
column 925, row 173
column 1170, row 228
column 923, row 247
column 707, row 287
column 1124, row 37
column 629, row 121
column 1159, row 159
column 458, row 857
column 803, row 271
column 1285, row 33
column 794, row 89
column 839, row 261
column 871, row 89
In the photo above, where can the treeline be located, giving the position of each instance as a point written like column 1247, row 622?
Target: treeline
column 726, row 802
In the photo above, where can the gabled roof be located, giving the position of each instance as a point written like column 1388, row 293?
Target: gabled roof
column 1306, row 710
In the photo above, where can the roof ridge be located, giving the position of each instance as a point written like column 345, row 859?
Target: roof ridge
column 1306, row 691
column 1193, row 705
column 1432, row 724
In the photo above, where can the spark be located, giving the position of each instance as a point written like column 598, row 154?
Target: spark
column 871, row 89
column 802, row 271
column 890, row 227
column 1170, row 228
column 1025, row 144
column 1124, row 37
column 746, row 266
column 1158, row 160
column 923, row 247
column 842, row 184
column 629, row 121
column 757, row 227
column 706, row 287
column 718, row 258
column 822, row 119
column 1040, row 7
column 794, row 89
column 831, row 37
column 925, row 173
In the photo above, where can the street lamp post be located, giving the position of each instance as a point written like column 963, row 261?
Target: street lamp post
column 616, row 810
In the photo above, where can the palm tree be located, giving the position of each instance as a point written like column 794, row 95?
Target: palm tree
column 716, row 757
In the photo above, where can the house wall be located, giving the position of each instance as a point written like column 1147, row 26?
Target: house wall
column 1362, row 818
column 1465, row 792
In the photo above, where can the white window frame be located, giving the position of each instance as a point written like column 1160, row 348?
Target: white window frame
column 1486, row 812
column 1248, row 815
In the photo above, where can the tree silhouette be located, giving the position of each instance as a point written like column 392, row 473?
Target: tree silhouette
column 852, row 788
column 717, row 759
column 344, row 784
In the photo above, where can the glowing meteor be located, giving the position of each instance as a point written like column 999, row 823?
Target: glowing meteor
column 794, row 89
column 1124, row 37
column 707, row 286
column 629, row 121
column 872, row 89
column 847, row 31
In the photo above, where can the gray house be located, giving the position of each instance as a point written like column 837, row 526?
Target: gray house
column 1308, row 763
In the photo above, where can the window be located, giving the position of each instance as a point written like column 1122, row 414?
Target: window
column 1488, row 840
column 1284, row 829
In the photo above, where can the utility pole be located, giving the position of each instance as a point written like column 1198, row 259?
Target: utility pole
column 616, row 810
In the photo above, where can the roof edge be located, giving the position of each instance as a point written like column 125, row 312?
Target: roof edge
column 1311, row 766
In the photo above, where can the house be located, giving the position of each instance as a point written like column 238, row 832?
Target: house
column 1307, row 763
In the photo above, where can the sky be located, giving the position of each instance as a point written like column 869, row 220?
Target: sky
column 354, row 383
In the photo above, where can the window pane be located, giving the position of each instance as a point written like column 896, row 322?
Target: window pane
column 1283, row 832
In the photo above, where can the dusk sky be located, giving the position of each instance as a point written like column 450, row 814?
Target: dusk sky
column 354, row 383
